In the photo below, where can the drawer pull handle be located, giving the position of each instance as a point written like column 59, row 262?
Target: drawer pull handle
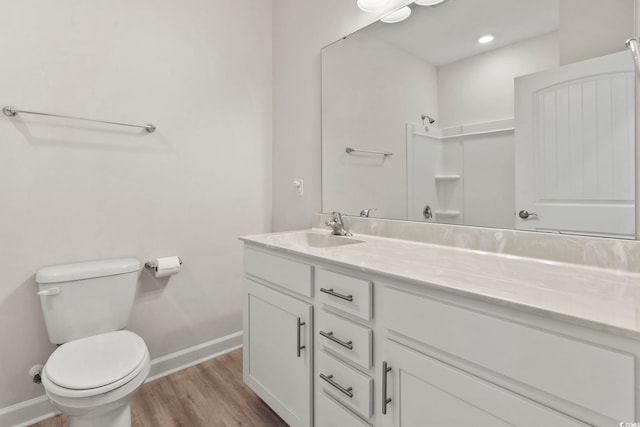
column 299, row 347
column 385, row 400
column 329, row 378
column 337, row 295
column 329, row 336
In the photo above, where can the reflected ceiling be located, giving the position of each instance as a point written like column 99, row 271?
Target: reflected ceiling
column 443, row 37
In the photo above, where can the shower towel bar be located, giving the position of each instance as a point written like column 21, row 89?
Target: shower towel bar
column 11, row 112
column 350, row 150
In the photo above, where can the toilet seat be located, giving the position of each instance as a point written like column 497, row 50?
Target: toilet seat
column 95, row 364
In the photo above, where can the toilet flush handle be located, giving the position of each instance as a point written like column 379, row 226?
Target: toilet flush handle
column 49, row 291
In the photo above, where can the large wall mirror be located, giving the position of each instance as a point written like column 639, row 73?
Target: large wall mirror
column 534, row 130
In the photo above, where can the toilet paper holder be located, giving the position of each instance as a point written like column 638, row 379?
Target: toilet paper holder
column 151, row 264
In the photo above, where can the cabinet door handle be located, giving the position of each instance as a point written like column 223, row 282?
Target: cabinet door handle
column 385, row 400
column 299, row 347
column 329, row 336
column 337, row 295
column 329, row 378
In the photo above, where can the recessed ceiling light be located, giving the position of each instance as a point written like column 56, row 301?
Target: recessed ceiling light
column 372, row 5
column 397, row 16
column 428, row 2
column 488, row 38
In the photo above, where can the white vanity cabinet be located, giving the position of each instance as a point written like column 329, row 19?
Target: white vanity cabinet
column 422, row 391
column 449, row 361
column 332, row 414
column 328, row 345
column 278, row 344
column 344, row 346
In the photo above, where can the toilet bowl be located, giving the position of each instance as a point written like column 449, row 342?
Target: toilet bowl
column 92, row 379
column 98, row 365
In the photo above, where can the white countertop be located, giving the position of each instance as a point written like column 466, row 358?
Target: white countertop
column 595, row 297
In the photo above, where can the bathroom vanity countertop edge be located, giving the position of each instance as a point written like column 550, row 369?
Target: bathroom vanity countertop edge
column 594, row 297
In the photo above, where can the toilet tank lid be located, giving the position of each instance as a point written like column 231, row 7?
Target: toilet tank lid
column 86, row 270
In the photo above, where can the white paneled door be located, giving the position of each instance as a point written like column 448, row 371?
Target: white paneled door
column 575, row 148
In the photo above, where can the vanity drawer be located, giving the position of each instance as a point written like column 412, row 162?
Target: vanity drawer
column 332, row 414
column 346, row 293
column 345, row 338
column 292, row 275
column 588, row 375
column 345, row 384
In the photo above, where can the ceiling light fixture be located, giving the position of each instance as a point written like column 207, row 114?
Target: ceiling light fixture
column 488, row 38
column 397, row 15
column 372, row 5
column 428, row 2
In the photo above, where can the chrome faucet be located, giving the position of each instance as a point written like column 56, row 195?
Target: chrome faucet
column 337, row 225
column 366, row 212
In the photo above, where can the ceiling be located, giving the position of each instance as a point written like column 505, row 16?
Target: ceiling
column 449, row 31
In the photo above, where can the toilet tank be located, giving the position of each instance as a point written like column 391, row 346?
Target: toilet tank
column 87, row 298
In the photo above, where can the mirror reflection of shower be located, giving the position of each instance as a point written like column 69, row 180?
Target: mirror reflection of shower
column 430, row 119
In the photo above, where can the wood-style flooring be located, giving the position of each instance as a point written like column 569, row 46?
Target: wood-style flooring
column 210, row 394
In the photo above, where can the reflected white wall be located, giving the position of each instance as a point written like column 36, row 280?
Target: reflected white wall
column 480, row 88
column 370, row 91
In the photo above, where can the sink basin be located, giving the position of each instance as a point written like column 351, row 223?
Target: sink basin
column 327, row 240
column 314, row 240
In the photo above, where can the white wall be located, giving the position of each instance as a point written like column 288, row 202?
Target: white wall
column 300, row 30
column 480, row 88
column 489, row 180
column 370, row 91
column 199, row 70
column 591, row 28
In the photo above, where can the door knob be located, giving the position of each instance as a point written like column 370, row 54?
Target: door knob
column 427, row 212
column 525, row 215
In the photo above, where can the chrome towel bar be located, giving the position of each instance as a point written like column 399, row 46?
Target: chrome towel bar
column 11, row 112
column 350, row 150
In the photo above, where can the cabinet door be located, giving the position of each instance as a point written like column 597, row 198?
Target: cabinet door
column 426, row 392
column 277, row 352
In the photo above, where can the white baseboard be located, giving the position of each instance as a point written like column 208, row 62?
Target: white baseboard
column 174, row 362
column 29, row 412
column 25, row 413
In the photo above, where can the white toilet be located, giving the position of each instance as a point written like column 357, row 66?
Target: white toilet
column 93, row 374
